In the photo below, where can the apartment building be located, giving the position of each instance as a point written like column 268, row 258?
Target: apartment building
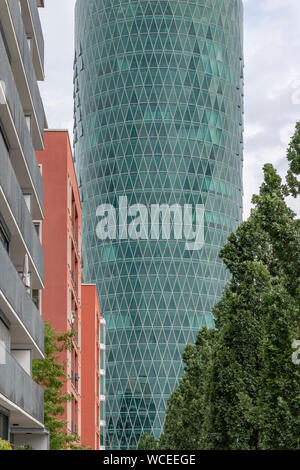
column 22, row 123
column 61, row 233
column 93, row 370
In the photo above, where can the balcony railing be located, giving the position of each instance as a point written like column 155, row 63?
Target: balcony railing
column 14, row 196
column 74, row 284
column 24, row 138
column 74, row 235
column 27, row 58
column 15, row 292
column 37, row 28
column 18, row 387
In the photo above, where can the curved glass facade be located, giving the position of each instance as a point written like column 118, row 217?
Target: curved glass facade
column 158, row 119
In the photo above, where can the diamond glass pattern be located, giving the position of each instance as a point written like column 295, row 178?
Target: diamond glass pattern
column 159, row 118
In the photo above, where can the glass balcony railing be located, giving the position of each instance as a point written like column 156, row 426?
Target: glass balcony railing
column 15, row 293
column 26, row 56
column 37, row 28
column 18, row 387
column 17, row 115
column 14, row 196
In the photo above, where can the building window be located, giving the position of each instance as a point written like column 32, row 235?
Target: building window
column 3, row 426
column 102, row 437
column 102, row 413
column 3, row 138
column 37, row 226
column 102, row 331
column 27, row 198
column 29, row 41
column 28, row 122
column 4, row 236
column 4, row 334
column 102, row 386
column 36, row 298
column 102, row 362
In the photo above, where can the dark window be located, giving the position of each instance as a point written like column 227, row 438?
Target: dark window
column 3, row 426
column 4, row 334
column 36, row 298
column 4, row 237
column 3, row 138
column 37, row 227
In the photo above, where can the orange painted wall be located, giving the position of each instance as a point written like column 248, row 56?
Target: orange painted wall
column 58, row 173
column 90, row 367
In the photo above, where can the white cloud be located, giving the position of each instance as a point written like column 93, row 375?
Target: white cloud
column 251, row 130
column 272, row 86
column 272, row 79
column 58, row 25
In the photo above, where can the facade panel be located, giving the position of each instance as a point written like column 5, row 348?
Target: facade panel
column 92, row 374
column 158, row 121
column 61, row 228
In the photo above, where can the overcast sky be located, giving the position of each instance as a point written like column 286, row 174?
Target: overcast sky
column 272, row 79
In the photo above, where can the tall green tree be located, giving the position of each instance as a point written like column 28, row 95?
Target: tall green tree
column 184, row 415
column 248, row 395
column 293, row 155
column 50, row 374
column 183, row 428
column 234, row 379
column 279, row 397
column 255, row 387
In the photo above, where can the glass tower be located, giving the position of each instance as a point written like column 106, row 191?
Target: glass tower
column 158, row 119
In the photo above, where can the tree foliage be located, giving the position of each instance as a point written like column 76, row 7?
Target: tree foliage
column 5, row 445
column 148, row 442
column 240, row 389
column 185, row 406
column 50, row 374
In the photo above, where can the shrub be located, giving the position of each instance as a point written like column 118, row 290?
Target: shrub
column 5, row 445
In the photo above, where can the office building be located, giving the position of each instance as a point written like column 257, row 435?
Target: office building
column 158, row 90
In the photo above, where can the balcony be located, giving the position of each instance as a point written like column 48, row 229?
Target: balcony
column 22, row 154
column 33, row 27
column 74, row 234
column 74, row 283
column 21, row 61
column 14, row 209
column 20, row 394
column 27, row 327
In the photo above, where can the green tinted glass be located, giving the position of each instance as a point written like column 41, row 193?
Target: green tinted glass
column 158, row 118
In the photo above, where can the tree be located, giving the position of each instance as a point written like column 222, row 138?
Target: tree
column 148, row 442
column 255, row 388
column 50, row 374
column 183, row 429
column 242, row 390
column 234, row 381
column 184, row 415
column 293, row 155
column 279, row 397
